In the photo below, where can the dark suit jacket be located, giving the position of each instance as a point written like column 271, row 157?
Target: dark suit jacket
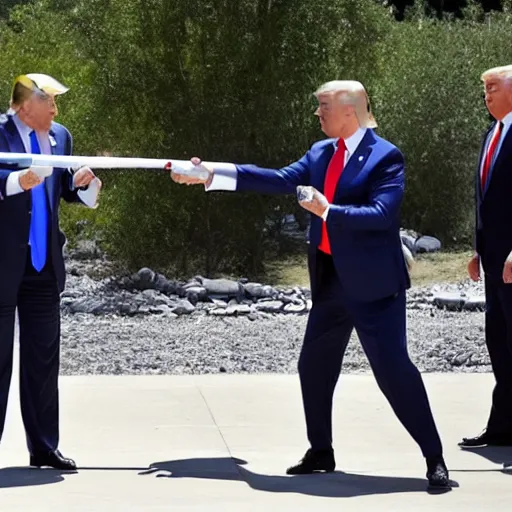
column 364, row 219
column 15, row 211
column 494, row 209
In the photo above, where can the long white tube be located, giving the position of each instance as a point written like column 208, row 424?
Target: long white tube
column 26, row 160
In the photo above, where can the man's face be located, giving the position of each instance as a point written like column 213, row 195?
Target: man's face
column 39, row 111
column 332, row 114
column 498, row 96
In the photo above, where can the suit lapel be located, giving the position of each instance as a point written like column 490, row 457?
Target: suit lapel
column 483, row 149
column 323, row 164
column 14, row 138
column 506, row 141
column 356, row 162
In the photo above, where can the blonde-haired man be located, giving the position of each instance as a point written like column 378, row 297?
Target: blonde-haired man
column 32, row 271
column 357, row 268
column 494, row 252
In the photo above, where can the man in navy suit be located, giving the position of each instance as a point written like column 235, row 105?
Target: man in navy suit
column 32, row 273
column 494, row 252
column 357, row 268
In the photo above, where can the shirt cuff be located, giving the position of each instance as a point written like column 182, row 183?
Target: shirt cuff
column 326, row 212
column 72, row 185
column 89, row 196
column 12, row 186
column 224, row 178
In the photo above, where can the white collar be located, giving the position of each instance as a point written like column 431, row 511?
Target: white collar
column 23, row 129
column 507, row 120
column 354, row 140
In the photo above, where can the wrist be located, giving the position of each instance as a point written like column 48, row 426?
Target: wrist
column 325, row 212
column 209, row 181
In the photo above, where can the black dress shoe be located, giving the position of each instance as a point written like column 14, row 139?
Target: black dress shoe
column 313, row 462
column 53, row 459
column 437, row 474
column 486, row 439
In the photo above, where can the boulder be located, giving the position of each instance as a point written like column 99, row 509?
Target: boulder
column 182, row 307
column 427, row 244
column 222, row 288
column 449, row 300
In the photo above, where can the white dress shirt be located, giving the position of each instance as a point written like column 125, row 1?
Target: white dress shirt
column 225, row 177
column 13, row 186
column 351, row 144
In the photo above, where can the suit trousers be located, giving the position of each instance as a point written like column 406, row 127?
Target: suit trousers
column 498, row 337
column 38, row 303
column 381, row 328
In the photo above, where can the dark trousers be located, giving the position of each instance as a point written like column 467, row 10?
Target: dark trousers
column 381, row 327
column 38, row 303
column 498, row 337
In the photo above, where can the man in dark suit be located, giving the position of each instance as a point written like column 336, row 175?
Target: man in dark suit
column 357, row 268
column 494, row 252
column 32, row 273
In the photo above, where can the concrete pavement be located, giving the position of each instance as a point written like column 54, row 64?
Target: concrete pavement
column 223, row 442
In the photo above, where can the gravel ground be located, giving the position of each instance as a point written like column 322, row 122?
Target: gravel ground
column 439, row 341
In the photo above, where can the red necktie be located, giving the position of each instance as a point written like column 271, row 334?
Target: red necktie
column 332, row 177
column 490, row 153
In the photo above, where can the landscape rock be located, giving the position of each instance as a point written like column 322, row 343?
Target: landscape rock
column 182, row 307
column 132, row 325
column 222, row 287
column 449, row 300
column 475, row 303
column 426, row 244
column 271, row 306
column 409, row 242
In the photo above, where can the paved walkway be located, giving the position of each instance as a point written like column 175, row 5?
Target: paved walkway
column 222, row 443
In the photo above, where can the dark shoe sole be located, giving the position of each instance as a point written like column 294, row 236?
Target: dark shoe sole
column 467, row 446
column 437, row 489
column 440, row 489
column 288, row 472
column 46, row 465
column 484, row 445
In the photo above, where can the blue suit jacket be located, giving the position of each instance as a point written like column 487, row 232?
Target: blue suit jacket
column 494, row 209
column 364, row 218
column 15, row 211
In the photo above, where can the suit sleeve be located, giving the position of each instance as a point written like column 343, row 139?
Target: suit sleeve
column 251, row 178
column 273, row 181
column 4, row 174
column 69, row 192
column 385, row 199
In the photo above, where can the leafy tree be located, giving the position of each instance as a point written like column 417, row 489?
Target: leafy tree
column 6, row 5
column 229, row 81
column 431, row 104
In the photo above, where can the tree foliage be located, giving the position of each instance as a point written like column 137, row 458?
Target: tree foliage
column 431, row 101
column 233, row 81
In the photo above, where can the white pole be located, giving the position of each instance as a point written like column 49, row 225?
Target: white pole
column 26, row 160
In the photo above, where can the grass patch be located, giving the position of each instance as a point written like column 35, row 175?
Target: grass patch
column 428, row 269
column 292, row 271
column 440, row 267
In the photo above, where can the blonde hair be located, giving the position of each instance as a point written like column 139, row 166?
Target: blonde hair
column 501, row 72
column 351, row 93
column 21, row 92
